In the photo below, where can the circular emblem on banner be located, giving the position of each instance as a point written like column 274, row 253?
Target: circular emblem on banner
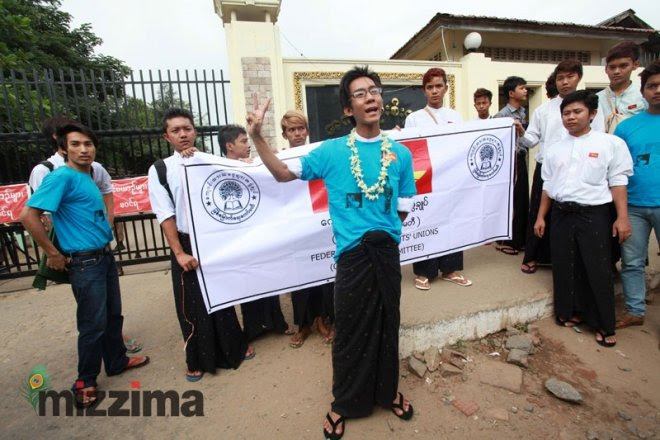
column 230, row 197
column 485, row 157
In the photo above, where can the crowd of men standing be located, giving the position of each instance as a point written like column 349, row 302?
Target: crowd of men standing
column 589, row 186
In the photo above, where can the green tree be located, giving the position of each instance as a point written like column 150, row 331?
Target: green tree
column 37, row 34
column 39, row 47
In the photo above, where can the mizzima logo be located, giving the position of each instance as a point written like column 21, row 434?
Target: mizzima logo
column 230, row 196
column 485, row 157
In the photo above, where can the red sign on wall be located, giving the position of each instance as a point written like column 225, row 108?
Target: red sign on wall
column 12, row 201
column 131, row 195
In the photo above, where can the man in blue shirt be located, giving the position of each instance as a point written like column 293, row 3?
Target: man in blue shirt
column 370, row 183
column 82, row 227
column 641, row 134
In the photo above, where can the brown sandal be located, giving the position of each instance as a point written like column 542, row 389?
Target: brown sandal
column 85, row 397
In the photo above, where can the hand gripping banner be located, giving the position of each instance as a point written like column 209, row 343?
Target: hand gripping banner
column 255, row 237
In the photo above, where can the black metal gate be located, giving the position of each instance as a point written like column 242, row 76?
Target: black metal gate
column 125, row 113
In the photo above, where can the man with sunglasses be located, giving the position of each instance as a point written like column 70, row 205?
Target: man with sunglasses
column 370, row 183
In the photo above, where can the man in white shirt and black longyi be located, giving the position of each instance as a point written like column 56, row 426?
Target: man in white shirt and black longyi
column 582, row 174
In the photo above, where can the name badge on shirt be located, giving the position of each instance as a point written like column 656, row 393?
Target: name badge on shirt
column 595, row 155
column 632, row 106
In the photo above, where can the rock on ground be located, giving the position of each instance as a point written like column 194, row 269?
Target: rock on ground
column 416, row 366
column 520, row 342
column 563, row 390
column 518, row 357
column 500, row 375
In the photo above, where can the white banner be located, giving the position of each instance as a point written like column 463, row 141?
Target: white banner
column 255, row 237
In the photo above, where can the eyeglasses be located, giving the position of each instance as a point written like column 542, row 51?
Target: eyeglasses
column 361, row 93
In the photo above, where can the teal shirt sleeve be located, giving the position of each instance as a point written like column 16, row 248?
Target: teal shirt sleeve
column 50, row 193
column 315, row 164
column 407, row 179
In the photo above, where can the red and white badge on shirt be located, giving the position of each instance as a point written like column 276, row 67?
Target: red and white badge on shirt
column 594, row 155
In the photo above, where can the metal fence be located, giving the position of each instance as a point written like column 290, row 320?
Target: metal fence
column 125, row 112
column 143, row 242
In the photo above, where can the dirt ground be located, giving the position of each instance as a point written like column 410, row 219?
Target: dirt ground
column 284, row 393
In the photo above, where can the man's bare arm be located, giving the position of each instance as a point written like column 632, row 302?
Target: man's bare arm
column 255, row 119
column 186, row 261
column 109, row 202
column 31, row 220
column 621, row 226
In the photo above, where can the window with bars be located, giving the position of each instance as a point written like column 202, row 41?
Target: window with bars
column 535, row 55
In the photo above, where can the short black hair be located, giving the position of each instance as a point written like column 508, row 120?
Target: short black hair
column 176, row 112
column 511, row 83
column 229, row 133
column 49, row 129
column 625, row 49
column 551, row 86
column 649, row 71
column 569, row 66
column 483, row 93
column 589, row 99
column 74, row 127
column 346, row 80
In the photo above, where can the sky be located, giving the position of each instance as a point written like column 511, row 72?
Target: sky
column 178, row 34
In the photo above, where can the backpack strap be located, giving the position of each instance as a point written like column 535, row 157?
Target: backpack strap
column 161, row 170
column 48, row 164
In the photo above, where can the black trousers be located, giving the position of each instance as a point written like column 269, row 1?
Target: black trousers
column 213, row 341
column 520, row 203
column 313, row 302
column 445, row 264
column 582, row 265
column 537, row 249
column 365, row 353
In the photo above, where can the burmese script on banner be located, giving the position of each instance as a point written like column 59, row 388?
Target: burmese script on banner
column 255, row 237
column 12, row 201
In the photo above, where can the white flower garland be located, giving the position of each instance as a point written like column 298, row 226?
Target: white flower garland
column 374, row 191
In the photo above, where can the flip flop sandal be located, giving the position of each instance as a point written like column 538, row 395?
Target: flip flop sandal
column 602, row 340
column 422, row 283
column 132, row 346
column 194, row 377
column 528, row 268
column 85, row 397
column 334, row 435
column 297, row 343
column 459, row 280
column 329, row 339
column 405, row 415
column 567, row 322
column 136, row 362
column 508, row 250
column 249, row 355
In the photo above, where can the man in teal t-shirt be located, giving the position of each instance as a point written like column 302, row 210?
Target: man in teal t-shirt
column 370, row 183
column 641, row 134
column 80, row 221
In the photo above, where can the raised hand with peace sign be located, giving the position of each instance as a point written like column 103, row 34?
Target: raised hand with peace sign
column 255, row 118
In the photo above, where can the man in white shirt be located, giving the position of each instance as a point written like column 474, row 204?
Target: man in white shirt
column 435, row 86
column 546, row 128
column 621, row 99
column 582, row 174
column 213, row 340
column 262, row 315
